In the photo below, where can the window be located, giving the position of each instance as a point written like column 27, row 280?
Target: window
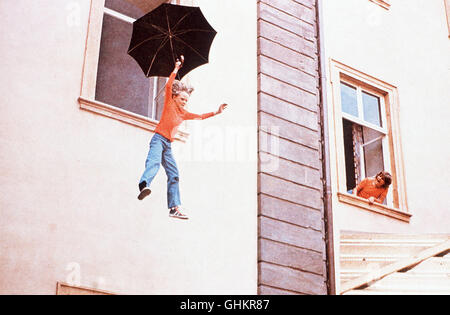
column 366, row 125
column 120, row 81
column 364, row 133
column 113, row 84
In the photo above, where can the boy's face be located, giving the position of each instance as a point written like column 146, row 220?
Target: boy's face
column 181, row 99
column 379, row 181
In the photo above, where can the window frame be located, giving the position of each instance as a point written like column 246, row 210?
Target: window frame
column 392, row 151
column 360, row 121
column 87, row 99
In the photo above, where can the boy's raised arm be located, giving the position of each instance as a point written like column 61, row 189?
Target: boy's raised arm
column 178, row 65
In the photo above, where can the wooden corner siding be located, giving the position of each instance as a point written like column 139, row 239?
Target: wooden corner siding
column 291, row 227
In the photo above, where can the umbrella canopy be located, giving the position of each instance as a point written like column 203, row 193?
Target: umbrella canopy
column 169, row 31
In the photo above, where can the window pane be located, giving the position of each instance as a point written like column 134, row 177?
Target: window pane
column 124, row 7
column 349, row 100
column 373, row 158
column 158, row 100
column 371, row 105
column 373, row 151
column 120, row 80
column 362, row 148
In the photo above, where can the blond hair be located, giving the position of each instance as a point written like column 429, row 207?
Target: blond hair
column 178, row 87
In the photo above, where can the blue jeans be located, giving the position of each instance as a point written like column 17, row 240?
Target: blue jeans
column 160, row 152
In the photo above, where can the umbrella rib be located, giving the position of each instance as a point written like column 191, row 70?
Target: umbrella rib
column 171, row 48
column 170, row 36
column 159, row 36
column 148, row 24
column 156, row 53
column 168, row 24
column 159, row 28
column 181, row 19
column 193, row 30
column 192, row 48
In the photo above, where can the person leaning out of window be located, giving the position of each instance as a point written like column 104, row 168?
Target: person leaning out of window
column 375, row 188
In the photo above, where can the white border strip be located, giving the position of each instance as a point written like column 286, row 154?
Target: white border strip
column 119, row 16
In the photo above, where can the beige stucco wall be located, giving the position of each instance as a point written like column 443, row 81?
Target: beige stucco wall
column 408, row 47
column 68, row 203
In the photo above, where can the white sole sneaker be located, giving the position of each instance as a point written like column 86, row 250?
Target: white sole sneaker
column 178, row 215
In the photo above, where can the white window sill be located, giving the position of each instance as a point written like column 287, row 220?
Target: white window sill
column 376, row 207
column 124, row 116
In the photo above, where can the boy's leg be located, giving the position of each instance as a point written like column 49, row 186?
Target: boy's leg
column 152, row 164
column 173, row 188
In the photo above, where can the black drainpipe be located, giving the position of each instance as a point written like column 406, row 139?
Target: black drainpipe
column 328, row 215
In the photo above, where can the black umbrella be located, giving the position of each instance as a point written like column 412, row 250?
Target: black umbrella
column 169, row 31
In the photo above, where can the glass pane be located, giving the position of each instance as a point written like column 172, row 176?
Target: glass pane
column 120, row 80
column 124, row 7
column 373, row 151
column 158, row 88
column 372, row 112
column 348, row 100
column 373, row 158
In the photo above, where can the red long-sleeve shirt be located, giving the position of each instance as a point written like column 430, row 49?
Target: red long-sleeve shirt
column 367, row 188
column 173, row 115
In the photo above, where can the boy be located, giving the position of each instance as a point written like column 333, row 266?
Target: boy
column 375, row 188
column 160, row 152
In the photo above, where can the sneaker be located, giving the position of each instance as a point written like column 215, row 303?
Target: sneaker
column 144, row 193
column 175, row 213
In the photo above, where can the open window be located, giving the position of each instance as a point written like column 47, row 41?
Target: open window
column 365, row 134
column 113, row 84
column 120, row 81
column 368, row 137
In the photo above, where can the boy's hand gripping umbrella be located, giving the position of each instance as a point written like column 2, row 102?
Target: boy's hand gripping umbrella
column 163, row 35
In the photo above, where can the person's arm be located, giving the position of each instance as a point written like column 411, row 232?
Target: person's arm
column 168, row 88
column 191, row 116
column 359, row 187
column 381, row 197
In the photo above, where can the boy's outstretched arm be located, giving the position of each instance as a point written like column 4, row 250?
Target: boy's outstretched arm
column 221, row 109
column 192, row 116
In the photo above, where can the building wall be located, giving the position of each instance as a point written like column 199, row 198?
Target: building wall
column 406, row 46
column 292, row 254
column 69, row 176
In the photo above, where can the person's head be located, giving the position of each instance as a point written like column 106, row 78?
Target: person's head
column 181, row 93
column 384, row 179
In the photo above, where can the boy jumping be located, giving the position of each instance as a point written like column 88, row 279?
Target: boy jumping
column 160, row 152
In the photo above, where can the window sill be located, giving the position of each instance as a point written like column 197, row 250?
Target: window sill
column 376, row 207
column 124, row 116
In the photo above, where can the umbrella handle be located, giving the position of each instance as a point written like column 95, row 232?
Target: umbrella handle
column 181, row 60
